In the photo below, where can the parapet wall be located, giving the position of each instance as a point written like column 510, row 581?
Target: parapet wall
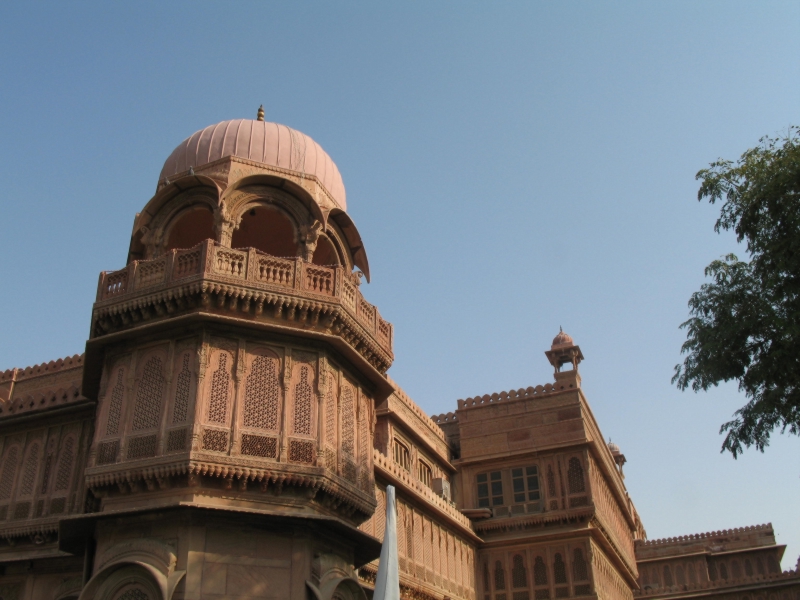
column 739, row 538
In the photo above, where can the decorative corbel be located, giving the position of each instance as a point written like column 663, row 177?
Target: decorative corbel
column 355, row 278
column 307, row 238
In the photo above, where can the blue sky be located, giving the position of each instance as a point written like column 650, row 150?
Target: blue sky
column 512, row 168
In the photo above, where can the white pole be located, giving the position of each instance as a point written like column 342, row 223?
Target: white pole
column 387, row 582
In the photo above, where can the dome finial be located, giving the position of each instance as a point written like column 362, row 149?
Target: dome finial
column 260, row 115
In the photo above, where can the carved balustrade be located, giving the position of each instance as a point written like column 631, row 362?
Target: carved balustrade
column 257, row 272
column 390, row 469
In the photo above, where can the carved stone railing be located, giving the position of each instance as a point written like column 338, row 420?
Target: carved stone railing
column 386, row 465
column 520, row 394
column 261, row 274
column 765, row 528
column 757, row 581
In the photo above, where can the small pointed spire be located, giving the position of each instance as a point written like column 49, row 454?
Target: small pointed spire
column 560, row 330
column 260, row 115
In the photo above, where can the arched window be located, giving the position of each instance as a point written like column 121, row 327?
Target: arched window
column 181, row 408
column 539, row 571
column 65, row 462
column 424, row 473
column 679, row 575
column 409, row 534
column 654, row 576
column 133, row 593
column 773, row 564
column 723, row 570
column 147, row 410
column 9, row 473
column 190, row 228
column 748, row 567
column 486, row 586
column 115, row 406
column 580, row 572
column 760, row 566
column 519, row 575
column 330, row 411
column 691, row 574
column 575, row 476
column 402, row 549
column 220, row 391
column 303, row 403
column 348, row 423
column 499, row 576
column 29, row 475
column 268, row 229
column 262, row 394
column 559, row 569
column 402, row 456
column 736, row 570
column 364, row 443
column 667, row 576
column 551, row 482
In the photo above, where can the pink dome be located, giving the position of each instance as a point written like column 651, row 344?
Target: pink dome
column 259, row 141
column 562, row 339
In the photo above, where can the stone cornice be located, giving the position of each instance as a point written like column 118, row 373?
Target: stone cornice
column 517, row 523
column 157, row 475
column 709, row 535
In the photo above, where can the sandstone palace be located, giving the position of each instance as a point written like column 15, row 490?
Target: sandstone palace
column 231, row 429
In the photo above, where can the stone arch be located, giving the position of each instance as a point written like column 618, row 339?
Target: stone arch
column 337, row 585
column 192, row 225
column 69, row 589
column 126, row 581
column 352, row 238
column 268, row 228
column 148, row 239
column 326, row 253
column 145, row 565
column 244, row 222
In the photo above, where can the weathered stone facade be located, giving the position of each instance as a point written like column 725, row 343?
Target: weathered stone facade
column 231, row 429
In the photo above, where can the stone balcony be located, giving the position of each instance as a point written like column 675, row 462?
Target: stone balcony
column 247, row 284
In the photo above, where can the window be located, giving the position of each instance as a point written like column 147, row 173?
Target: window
column 425, row 474
column 401, row 455
column 575, row 476
column 519, row 576
column 525, row 483
column 490, row 489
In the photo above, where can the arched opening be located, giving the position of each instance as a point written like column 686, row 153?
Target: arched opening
column 325, row 253
column 190, row 228
column 267, row 229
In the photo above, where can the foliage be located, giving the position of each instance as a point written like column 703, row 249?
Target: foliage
column 744, row 324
